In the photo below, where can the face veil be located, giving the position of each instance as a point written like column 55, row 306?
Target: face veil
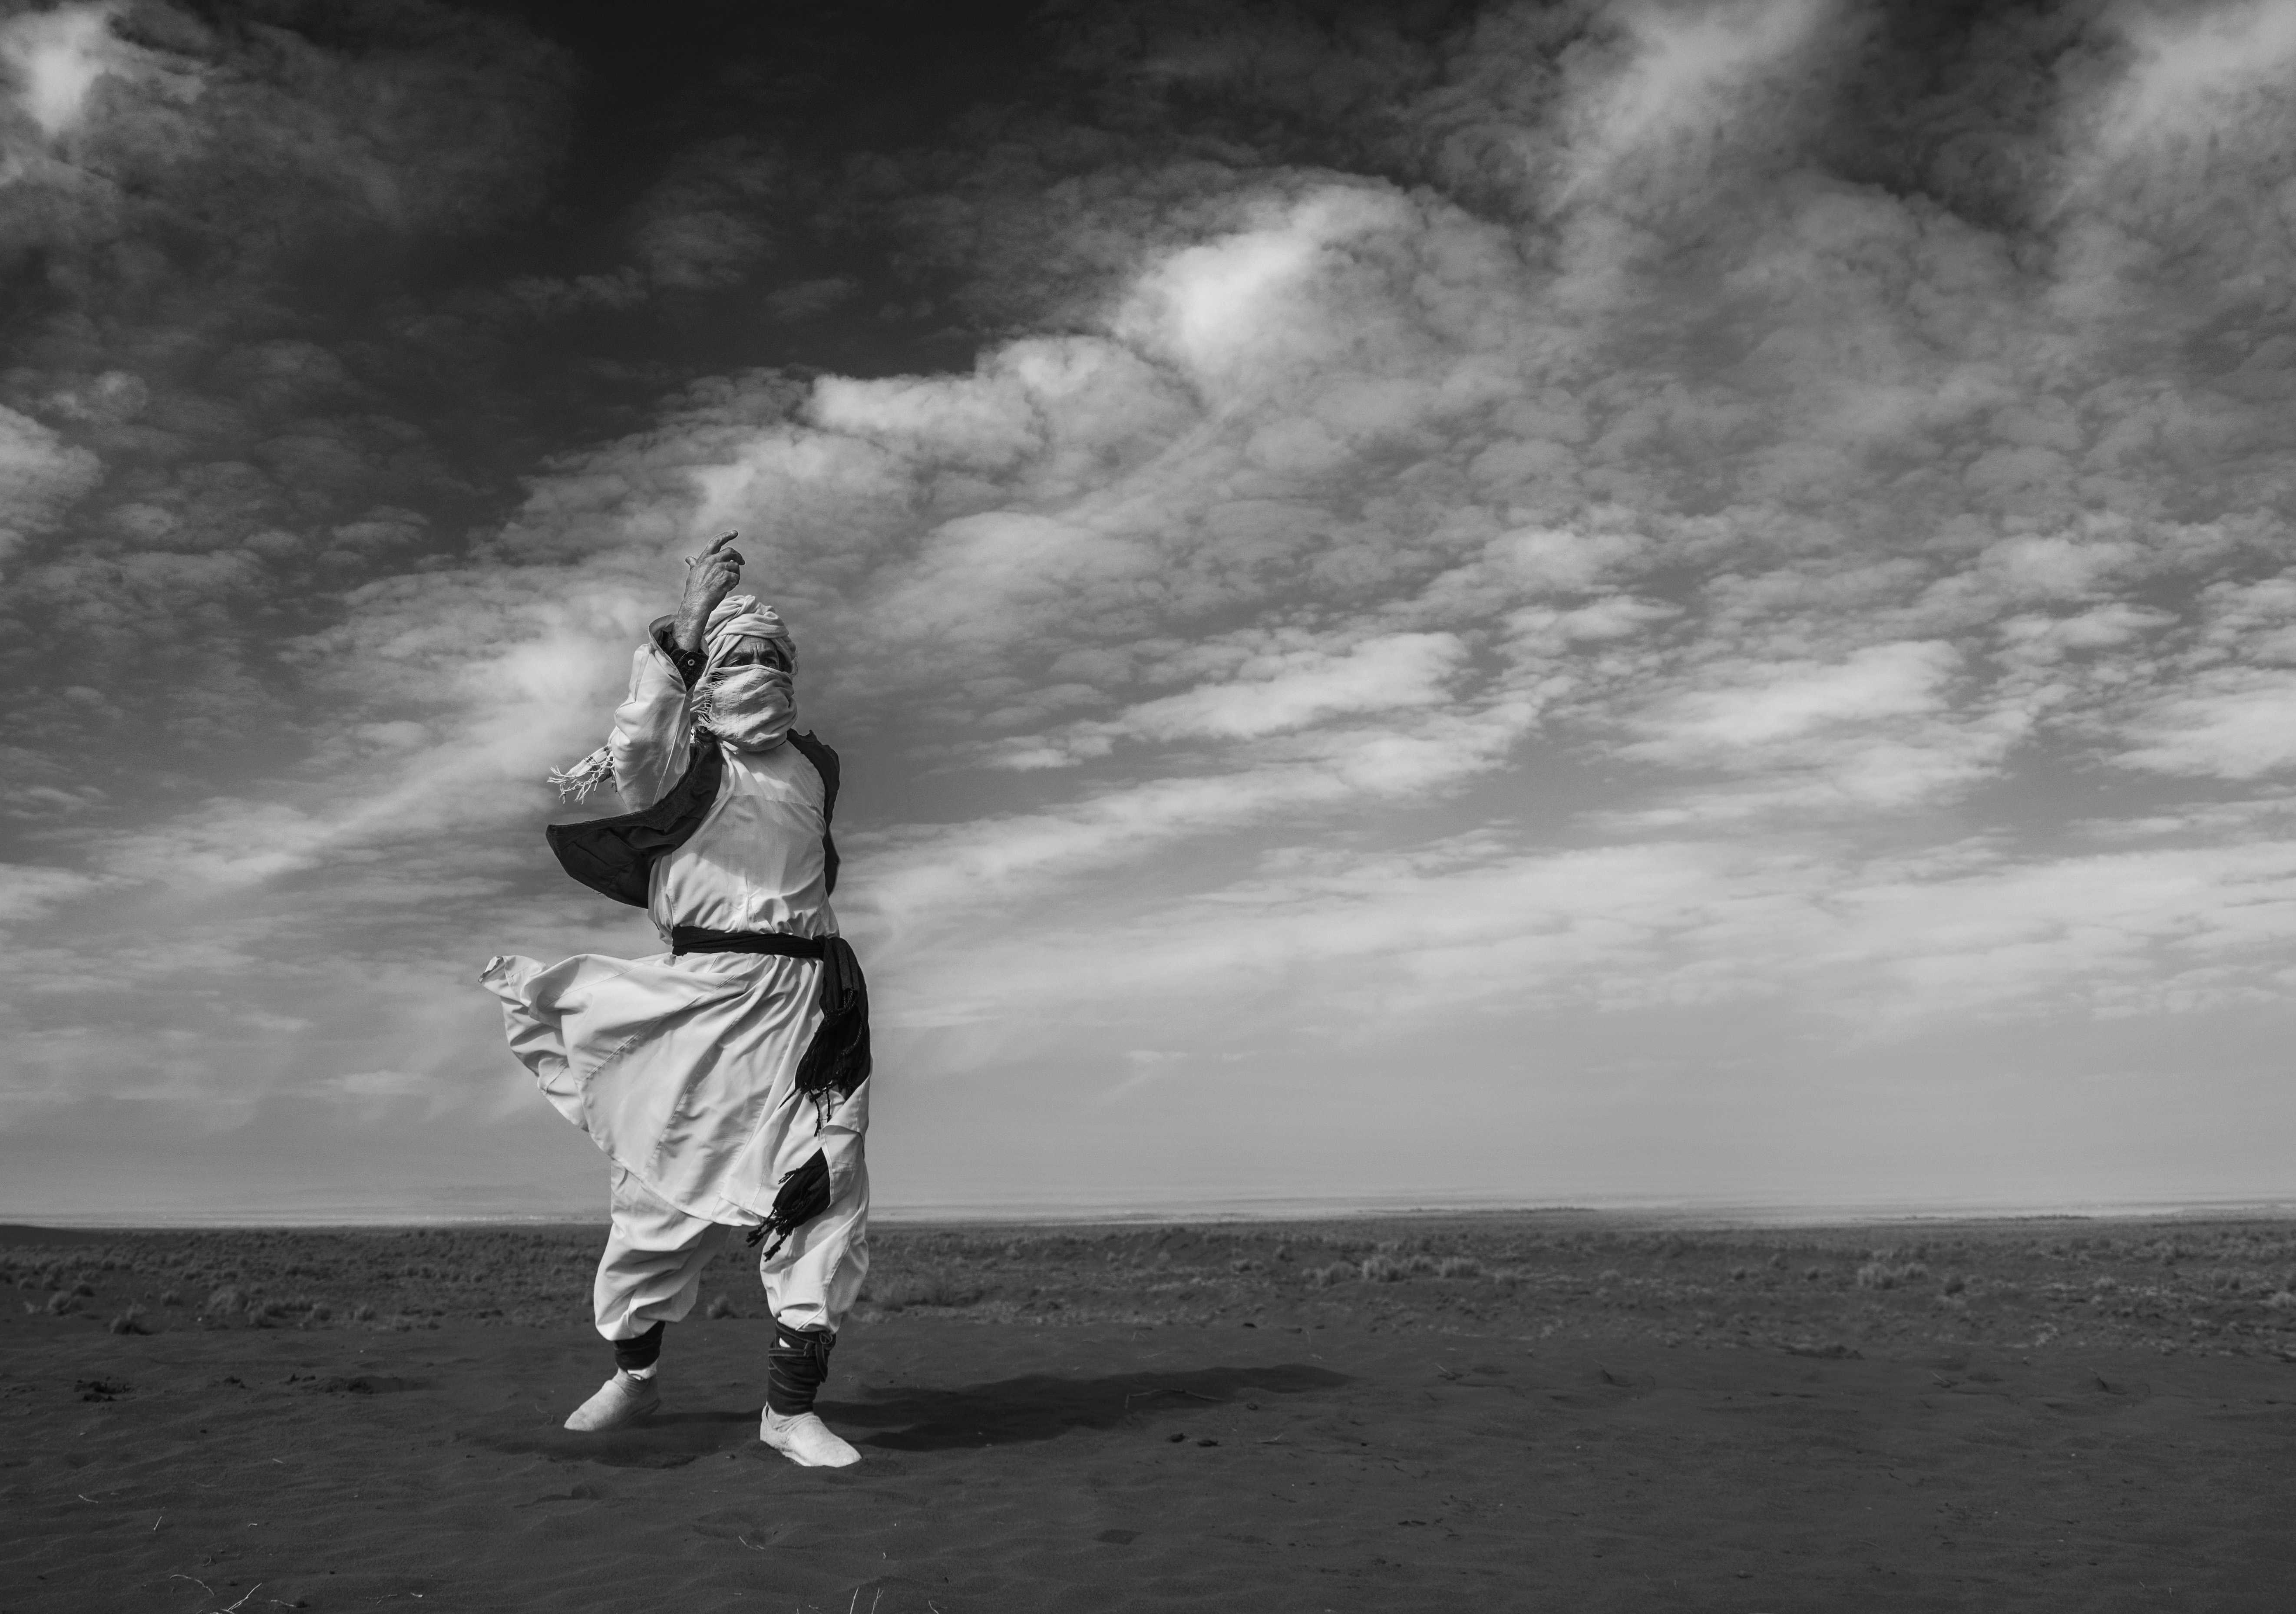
column 749, row 707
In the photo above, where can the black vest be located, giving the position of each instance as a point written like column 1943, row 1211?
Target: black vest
column 616, row 856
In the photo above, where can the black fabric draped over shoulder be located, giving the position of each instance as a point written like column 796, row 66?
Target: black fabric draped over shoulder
column 615, row 857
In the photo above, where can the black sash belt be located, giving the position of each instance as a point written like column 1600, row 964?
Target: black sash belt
column 837, row 1061
column 694, row 938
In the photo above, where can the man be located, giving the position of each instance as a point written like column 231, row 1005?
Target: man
column 727, row 1080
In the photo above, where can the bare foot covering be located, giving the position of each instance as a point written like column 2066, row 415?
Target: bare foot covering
column 805, row 1440
column 620, row 1400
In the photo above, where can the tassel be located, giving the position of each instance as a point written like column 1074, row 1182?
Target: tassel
column 577, row 782
column 804, row 1194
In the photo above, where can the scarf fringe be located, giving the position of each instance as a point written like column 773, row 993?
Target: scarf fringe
column 577, row 782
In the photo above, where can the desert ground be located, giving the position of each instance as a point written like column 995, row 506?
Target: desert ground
column 1521, row 1412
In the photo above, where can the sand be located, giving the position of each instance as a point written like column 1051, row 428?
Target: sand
column 1593, row 1418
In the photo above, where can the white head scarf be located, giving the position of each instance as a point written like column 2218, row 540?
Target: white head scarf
column 748, row 708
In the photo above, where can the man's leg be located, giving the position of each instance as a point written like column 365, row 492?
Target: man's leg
column 810, row 1284
column 649, row 1276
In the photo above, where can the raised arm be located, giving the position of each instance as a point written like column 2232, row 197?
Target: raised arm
column 709, row 578
column 651, row 740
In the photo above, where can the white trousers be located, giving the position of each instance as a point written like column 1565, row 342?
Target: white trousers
column 651, row 1268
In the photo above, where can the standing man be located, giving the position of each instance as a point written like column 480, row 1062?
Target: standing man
column 727, row 1080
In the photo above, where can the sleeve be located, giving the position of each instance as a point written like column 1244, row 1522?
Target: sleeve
column 652, row 734
column 689, row 663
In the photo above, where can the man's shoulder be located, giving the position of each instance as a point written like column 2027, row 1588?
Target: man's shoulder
column 815, row 750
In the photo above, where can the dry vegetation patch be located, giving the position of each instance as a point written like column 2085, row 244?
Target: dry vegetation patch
column 2170, row 1286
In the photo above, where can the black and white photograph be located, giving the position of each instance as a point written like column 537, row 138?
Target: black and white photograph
column 1294, row 807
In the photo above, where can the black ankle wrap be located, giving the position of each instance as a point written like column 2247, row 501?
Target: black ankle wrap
column 796, row 1369
column 644, row 1351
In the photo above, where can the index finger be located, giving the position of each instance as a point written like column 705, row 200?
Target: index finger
column 720, row 542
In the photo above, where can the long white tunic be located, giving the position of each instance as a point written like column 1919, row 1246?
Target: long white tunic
column 683, row 1070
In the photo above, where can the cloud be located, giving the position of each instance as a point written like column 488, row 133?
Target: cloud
column 1795, row 699
column 40, row 477
column 1692, row 78
column 1273, row 690
column 2226, row 725
column 2193, row 69
column 55, row 57
column 1403, row 945
column 29, row 892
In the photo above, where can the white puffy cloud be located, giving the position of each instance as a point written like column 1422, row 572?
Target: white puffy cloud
column 2197, row 72
column 55, row 57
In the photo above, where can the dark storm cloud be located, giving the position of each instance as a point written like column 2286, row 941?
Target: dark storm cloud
column 193, row 200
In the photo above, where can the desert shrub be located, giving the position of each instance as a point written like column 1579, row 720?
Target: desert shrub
column 2282, row 1301
column 130, row 1321
column 62, row 1302
column 720, row 1305
column 2103, row 1286
column 1324, row 1277
column 1384, row 1269
column 363, row 1314
column 171, row 1298
column 1459, row 1266
column 1425, row 1265
column 1954, row 1284
column 225, row 1302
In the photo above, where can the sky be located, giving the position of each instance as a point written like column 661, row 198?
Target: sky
column 1674, row 604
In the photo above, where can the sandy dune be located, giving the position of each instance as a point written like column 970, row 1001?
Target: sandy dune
column 1257, row 1434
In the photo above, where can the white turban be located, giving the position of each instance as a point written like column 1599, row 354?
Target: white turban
column 740, row 616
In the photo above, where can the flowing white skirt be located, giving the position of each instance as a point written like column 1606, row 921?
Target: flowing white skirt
column 683, row 1070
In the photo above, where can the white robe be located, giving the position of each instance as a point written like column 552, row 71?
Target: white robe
column 683, row 1070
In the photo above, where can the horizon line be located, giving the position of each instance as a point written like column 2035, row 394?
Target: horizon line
column 1714, row 1213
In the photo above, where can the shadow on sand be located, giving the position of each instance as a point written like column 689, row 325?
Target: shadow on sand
column 667, row 1440
column 1044, row 1406
column 1009, row 1412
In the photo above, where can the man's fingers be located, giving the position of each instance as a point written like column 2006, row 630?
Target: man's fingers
column 732, row 558
column 720, row 542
